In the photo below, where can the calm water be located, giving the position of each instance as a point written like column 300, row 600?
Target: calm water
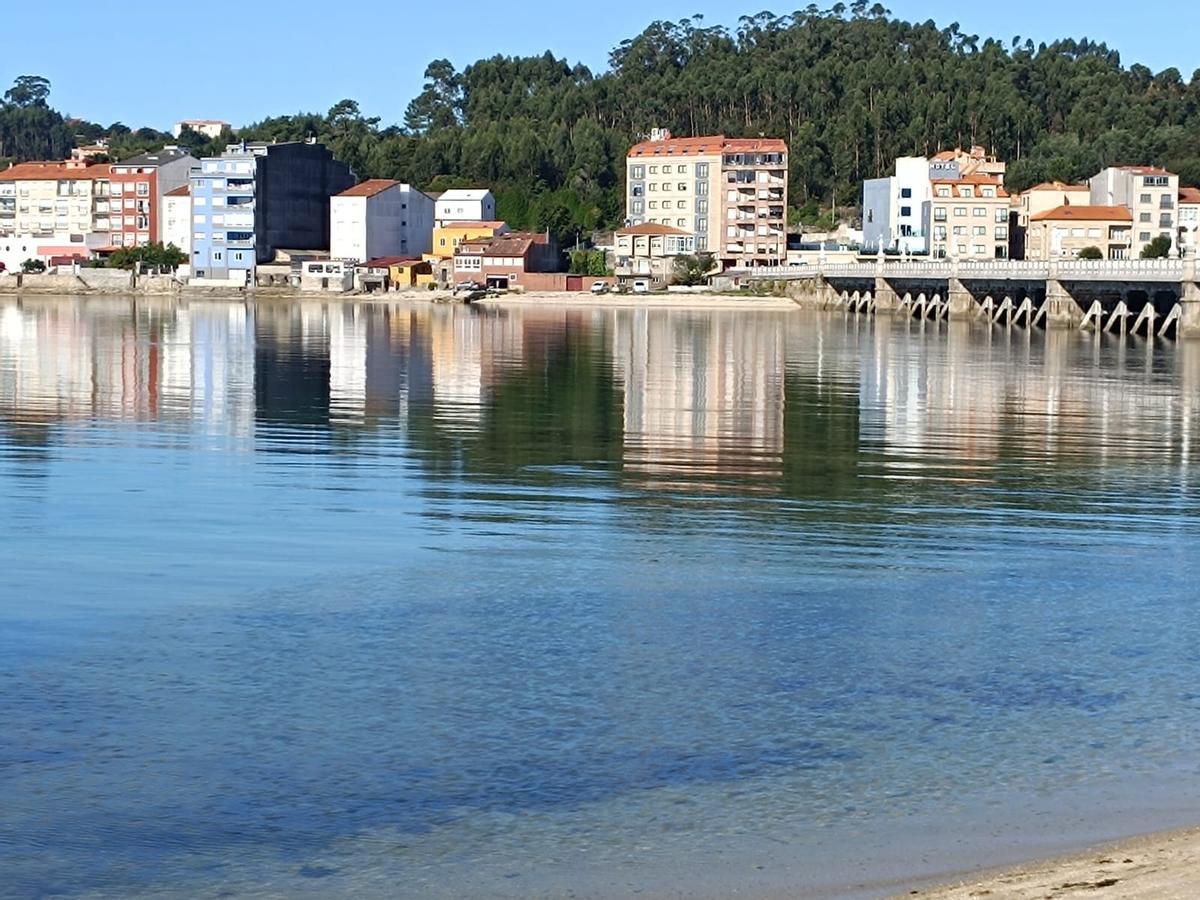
column 316, row 600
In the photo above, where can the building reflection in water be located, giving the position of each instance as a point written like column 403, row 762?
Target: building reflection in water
column 689, row 400
column 703, row 395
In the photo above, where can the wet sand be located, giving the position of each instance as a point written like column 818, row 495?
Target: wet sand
column 1163, row 866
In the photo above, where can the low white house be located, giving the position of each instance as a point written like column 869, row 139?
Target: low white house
column 466, row 205
column 380, row 218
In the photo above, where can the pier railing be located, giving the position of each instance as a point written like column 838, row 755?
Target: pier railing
column 1167, row 270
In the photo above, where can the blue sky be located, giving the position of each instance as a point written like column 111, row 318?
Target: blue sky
column 308, row 55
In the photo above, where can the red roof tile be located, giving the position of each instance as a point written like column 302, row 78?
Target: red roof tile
column 54, row 171
column 179, row 191
column 652, row 228
column 1189, row 195
column 1084, row 214
column 713, row 144
column 369, row 188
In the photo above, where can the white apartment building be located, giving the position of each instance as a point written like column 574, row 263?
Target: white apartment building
column 895, row 208
column 465, row 205
column 380, row 218
column 1150, row 194
column 210, row 128
column 730, row 194
column 175, row 216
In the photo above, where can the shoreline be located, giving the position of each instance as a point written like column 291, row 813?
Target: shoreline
column 1161, row 864
column 696, row 301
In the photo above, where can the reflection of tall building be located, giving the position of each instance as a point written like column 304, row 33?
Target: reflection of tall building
column 347, row 363
column 291, row 372
column 457, row 352
column 963, row 398
column 704, row 395
column 109, row 359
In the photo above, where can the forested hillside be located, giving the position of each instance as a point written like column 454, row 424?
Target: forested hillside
column 848, row 88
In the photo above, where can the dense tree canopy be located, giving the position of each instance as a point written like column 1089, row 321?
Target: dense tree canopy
column 849, row 88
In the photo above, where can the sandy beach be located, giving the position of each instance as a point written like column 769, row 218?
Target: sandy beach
column 1163, row 866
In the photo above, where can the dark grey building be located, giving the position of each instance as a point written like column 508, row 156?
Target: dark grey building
column 257, row 198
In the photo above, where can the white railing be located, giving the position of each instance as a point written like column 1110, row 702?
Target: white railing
column 1171, row 270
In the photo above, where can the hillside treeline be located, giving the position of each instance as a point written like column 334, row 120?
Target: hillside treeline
column 849, row 88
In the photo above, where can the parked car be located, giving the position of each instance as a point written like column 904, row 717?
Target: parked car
column 469, row 286
column 641, row 286
column 600, row 287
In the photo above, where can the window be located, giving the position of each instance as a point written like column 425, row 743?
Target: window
column 702, row 206
column 961, row 249
column 943, row 192
column 1144, row 217
column 653, row 186
column 1164, row 221
column 1001, row 232
column 1145, row 199
column 1144, row 236
column 666, row 204
column 960, row 210
column 681, row 204
column 960, row 230
column 939, row 214
column 1002, row 216
column 217, row 255
column 682, row 185
column 143, row 189
column 681, row 223
column 654, row 170
column 906, row 211
column 198, row 235
column 989, row 192
column 654, row 204
column 681, row 169
column 701, row 170
column 702, row 188
column 978, row 249
column 200, row 201
column 966, row 191
column 701, row 225
column 979, row 230
column 905, row 193
column 979, row 212
column 636, row 208
column 939, row 232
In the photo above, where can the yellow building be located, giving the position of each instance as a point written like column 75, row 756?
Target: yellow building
column 410, row 273
column 1062, row 232
column 450, row 234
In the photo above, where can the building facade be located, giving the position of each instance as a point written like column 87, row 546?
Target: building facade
column 501, row 261
column 1039, row 199
column 469, row 205
column 256, row 199
column 1150, row 194
column 53, row 209
column 136, row 191
column 1189, row 221
column 895, row 209
column 1062, row 232
column 649, row 251
column 730, row 194
column 175, row 216
column 210, row 128
column 448, row 235
column 968, row 219
column 380, row 218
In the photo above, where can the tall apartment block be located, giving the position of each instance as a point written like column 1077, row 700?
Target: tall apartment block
column 257, row 198
column 729, row 193
column 137, row 186
column 1150, row 194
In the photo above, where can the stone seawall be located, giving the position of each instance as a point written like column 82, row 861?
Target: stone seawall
column 89, row 281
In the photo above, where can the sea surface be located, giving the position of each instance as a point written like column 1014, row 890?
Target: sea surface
column 377, row 600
